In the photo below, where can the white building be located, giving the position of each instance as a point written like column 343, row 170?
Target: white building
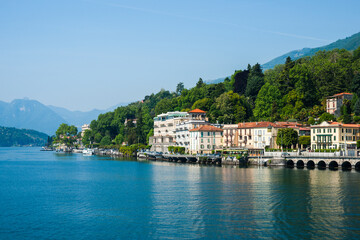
column 164, row 130
column 84, row 128
column 196, row 118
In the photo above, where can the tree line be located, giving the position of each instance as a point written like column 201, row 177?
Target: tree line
column 294, row 90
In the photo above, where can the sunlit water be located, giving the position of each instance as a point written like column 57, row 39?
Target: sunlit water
column 44, row 195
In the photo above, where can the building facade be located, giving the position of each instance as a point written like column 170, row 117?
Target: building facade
column 230, row 136
column 165, row 130
column 258, row 135
column 205, row 139
column 196, row 118
column 334, row 135
column 334, row 103
column 84, row 128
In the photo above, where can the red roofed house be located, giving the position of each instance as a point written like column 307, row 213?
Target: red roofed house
column 205, row 139
column 334, row 103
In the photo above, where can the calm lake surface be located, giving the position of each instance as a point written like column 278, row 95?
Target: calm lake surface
column 44, row 195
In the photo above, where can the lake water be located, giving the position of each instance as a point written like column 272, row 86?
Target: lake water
column 44, row 195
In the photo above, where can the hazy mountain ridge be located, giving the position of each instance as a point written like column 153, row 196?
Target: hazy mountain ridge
column 31, row 114
column 10, row 136
column 350, row 43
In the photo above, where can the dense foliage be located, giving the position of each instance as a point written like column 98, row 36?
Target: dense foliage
column 295, row 90
column 66, row 134
column 21, row 137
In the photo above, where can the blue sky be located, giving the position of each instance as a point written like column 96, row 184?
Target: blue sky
column 85, row 54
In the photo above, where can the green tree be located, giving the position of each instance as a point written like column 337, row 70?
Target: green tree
column 304, row 141
column 98, row 137
column 287, row 137
column 119, row 139
column 269, row 97
column 238, row 81
column 311, row 121
column 66, row 134
column 357, row 108
column 326, row 117
column 203, row 104
column 105, row 141
column 356, row 54
column 230, row 107
column 88, row 137
column 179, row 88
column 200, row 83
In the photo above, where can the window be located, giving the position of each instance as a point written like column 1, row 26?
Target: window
column 208, row 133
column 208, row 146
column 342, row 138
column 313, row 138
column 202, row 134
column 334, row 130
column 202, row 140
column 208, row 140
column 255, row 132
column 314, row 130
column 201, row 146
column 324, row 130
column 334, row 138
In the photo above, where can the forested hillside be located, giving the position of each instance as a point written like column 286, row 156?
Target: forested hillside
column 21, row 137
column 294, row 90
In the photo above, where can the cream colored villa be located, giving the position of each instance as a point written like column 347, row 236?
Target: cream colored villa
column 205, row 139
column 334, row 135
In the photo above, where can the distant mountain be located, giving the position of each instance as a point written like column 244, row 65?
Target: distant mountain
column 349, row 43
column 29, row 114
column 21, row 137
column 218, row 80
column 78, row 118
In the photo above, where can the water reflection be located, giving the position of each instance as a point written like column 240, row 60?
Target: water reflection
column 50, row 196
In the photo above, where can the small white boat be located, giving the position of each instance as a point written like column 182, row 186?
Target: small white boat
column 88, row 151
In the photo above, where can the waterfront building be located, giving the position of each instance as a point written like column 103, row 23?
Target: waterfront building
column 165, row 130
column 334, row 135
column 195, row 119
column 230, row 139
column 334, row 103
column 84, row 128
column 205, row 139
column 258, row 135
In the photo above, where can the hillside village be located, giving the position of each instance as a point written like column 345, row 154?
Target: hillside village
column 192, row 132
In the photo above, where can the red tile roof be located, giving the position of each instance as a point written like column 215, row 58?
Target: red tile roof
column 197, row 111
column 206, row 128
column 353, row 125
column 289, row 124
column 258, row 125
column 340, row 94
